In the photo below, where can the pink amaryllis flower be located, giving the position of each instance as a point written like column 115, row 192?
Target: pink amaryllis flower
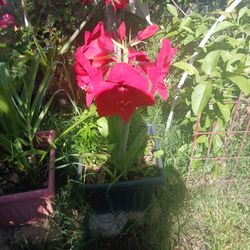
column 117, row 4
column 6, row 21
column 124, row 90
column 87, row 76
column 98, row 48
column 157, row 73
column 147, row 32
column 2, row 2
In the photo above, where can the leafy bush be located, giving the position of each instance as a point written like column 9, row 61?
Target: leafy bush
column 219, row 73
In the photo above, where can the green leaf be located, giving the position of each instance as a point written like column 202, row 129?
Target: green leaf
column 43, row 86
column 200, row 97
column 217, row 144
column 242, row 12
column 8, row 113
column 190, row 69
column 3, row 45
column 201, row 30
column 29, row 84
column 158, row 153
column 134, row 149
column 110, row 173
column 233, row 42
column 82, row 118
column 188, row 30
column 115, row 129
column 188, row 39
column 216, row 169
column 185, row 21
column 5, row 143
column 210, row 61
column 103, row 126
column 208, row 122
column 225, row 110
column 224, row 25
column 5, row 77
column 43, row 112
column 196, row 164
column 219, row 125
column 201, row 139
column 172, row 10
column 226, row 55
column 174, row 33
column 242, row 82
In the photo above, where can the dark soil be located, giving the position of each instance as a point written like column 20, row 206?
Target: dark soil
column 13, row 180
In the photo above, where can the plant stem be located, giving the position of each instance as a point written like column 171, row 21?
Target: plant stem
column 124, row 139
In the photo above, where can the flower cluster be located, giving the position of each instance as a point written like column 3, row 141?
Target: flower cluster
column 117, row 4
column 6, row 21
column 118, row 77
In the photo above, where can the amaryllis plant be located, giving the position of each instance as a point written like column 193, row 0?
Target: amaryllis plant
column 119, row 78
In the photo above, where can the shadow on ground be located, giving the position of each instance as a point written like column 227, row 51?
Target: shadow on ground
column 154, row 230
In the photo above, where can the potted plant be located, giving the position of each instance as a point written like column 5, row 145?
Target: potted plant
column 26, row 154
column 119, row 78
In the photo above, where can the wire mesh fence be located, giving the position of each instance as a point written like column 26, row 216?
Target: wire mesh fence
column 219, row 146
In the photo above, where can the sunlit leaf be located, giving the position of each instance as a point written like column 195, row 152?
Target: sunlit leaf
column 103, row 126
column 210, row 61
column 200, row 97
column 201, row 30
column 172, row 10
column 201, row 139
column 190, row 69
column 217, row 144
column 158, row 153
column 224, row 25
column 225, row 110
column 242, row 82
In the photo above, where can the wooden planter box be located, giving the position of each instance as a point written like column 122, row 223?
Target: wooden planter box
column 21, row 208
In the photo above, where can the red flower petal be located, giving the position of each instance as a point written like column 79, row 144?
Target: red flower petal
column 88, row 77
column 157, row 80
column 139, row 60
column 121, row 101
column 124, row 90
column 165, row 55
column 147, row 32
column 122, row 31
column 140, row 56
column 157, row 73
column 98, row 46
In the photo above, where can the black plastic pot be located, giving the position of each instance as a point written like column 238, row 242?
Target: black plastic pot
column 127, row 196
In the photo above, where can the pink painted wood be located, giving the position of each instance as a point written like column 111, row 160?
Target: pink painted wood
column 21, row 208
